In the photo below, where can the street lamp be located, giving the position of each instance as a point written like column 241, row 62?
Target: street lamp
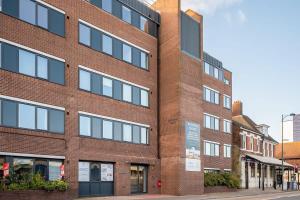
column 282, row 167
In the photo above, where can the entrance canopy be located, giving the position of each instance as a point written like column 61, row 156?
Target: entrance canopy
column 268, row 160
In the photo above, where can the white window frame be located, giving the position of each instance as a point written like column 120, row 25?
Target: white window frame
column 225, row 126
column 227, row 101
column 226, row 153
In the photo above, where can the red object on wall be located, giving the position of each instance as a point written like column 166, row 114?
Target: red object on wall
column 5, row 166
column 158, row 183
column 62, row 170
column 5, row 169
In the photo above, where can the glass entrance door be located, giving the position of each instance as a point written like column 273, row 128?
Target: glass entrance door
column 138, row 178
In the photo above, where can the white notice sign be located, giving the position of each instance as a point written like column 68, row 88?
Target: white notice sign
column 107, row 172
column 83, row 171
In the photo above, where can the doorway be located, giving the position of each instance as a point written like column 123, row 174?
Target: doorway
column 138, row 178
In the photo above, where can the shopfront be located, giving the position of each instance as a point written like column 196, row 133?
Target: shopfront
column 95, row 178
column 20, row 166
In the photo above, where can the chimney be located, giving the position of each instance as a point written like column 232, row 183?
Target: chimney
column 237, row 108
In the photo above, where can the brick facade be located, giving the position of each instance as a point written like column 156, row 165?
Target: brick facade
column 175, row 96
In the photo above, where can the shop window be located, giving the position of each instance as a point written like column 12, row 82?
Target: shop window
column 55, row 170
column 41, row 167
column 23, row 168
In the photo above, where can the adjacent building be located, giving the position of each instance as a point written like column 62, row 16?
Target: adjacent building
column 113, row 96
column 291, row 155
column 217, row 124
column 253, row 152
column 292, row 129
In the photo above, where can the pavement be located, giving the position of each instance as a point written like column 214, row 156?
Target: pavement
column 251, row 194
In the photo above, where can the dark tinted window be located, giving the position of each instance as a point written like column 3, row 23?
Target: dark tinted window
column 96, row 127
column 9, row 113
column 117, row 90
column 96, row 40
column 10, row 57
column 56, row 71
column 136, row 134
column 190, row 35
column 56, row 22
column 96, row 84
column 136, row 57
column 136, row 96
column 117, row 49
column 117, row 131
column 11, row 7
column 57, row 121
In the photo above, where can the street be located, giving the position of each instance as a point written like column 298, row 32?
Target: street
column 240, row 195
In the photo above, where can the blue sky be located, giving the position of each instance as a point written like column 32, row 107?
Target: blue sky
column 259, row 41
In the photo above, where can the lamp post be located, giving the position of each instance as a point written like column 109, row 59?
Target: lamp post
column 282, row 167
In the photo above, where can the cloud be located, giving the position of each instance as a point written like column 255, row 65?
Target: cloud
column 241, row 16
column 208, row 6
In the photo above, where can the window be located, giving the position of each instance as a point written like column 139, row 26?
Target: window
column 26, row 116
column 211, row 122
column 216, row 73
column 252, row 143
column 42, row 16
column 227, row 102
column 107, row 44
column 101, row 85
column 107, row 87
column 144, row 98
column 227, row 151
column 206, row 68
column 118, row 131
column 144, row 136
column 226, row 81
column 115, row 47
column 27, row 11
column 211, row 149
column 84, row 35
column 136, row 134
column 97, row 127
column 17, row 60
column 57, row 121
column 144, row 60
column 127, row 53
column 85, row 125
column 143, row 23
column 85, row 80
column 107, row 5
column 243, row 140
column 126, row 14
column 127, row 92
column 107, row 129
column 9, row 113
column 42, row 119
column 211, row 95
column 22, row 167
column 55, row 170
column 36, row 14
column 0, row 5
column 227, row 126
column 42, row 67
column 127, row 133
column 26, row 63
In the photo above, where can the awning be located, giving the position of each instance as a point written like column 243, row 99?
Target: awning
column 268, row 160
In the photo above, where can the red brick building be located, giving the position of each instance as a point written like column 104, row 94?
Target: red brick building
column 111, row 95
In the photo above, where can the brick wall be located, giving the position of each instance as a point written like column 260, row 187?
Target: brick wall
column 70, row 145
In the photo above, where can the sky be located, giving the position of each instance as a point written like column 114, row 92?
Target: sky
column 259, row 42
